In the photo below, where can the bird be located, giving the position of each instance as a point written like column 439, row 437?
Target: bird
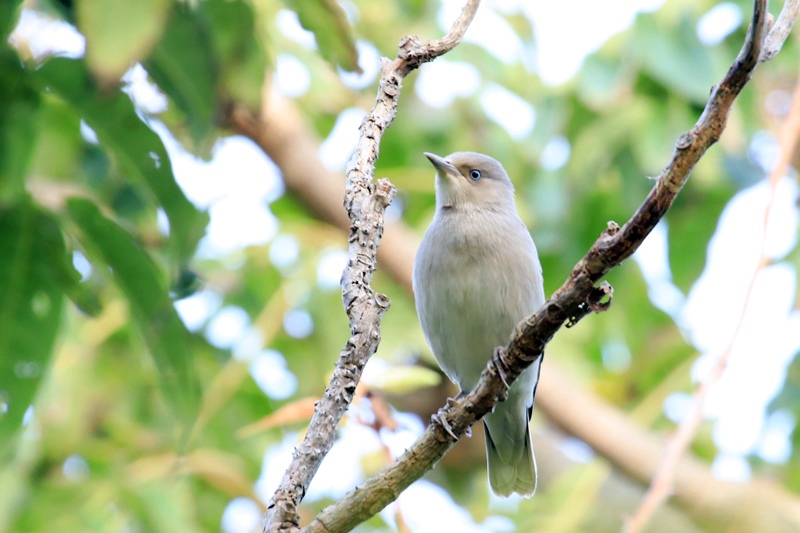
column 476, row 275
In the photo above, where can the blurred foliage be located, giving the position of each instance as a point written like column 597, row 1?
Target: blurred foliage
column 121, row 436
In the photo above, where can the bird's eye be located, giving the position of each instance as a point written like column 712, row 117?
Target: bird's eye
column 475, row 174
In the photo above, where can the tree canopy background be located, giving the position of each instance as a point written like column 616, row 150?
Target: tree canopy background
column 126, row 189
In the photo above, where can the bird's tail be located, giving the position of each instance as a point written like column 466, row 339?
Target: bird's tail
column 518, row 475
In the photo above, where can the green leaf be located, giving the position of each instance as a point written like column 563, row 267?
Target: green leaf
column 137, row 149
column 17, row 124
column 239, row 53
column 183, row 65
column 691, row 229
column 676, row 57
column 327, row 21
column 162, row 506
column 151, row 307
column 406, row 379
column 9, row 11
column 31, row 303
column 62, row 269
column 600, row 79
column 118, row 34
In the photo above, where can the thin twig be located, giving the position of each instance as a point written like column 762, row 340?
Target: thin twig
column 663, row 482
column 365, row 203
column 285, row 135
column 577, row 297
column 780, row 29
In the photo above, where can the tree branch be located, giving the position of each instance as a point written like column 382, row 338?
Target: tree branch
column 578, row 296
column 365, row 203
column 760, row 505
column 286, row 137
column 283, row 133
column 780, row 29
column 664, row 479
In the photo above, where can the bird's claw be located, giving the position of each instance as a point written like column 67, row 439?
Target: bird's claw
column 454, row 402
column 442, row 420
column 497, row 359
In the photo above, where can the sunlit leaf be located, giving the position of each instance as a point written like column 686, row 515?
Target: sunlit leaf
column 185, row 67
column 327, row 20
column 137, row 150
column 241, row 58
column 119, row 33
column 163, row 506
column 600, row 79
column 31, row 304
column 17, row 123
column 267, row 321
column 679, row 61
column 9, row 10
column 690, row 233
column 291, row 413
column 151, row 306
column 405, row 379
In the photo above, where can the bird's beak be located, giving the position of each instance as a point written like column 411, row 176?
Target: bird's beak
column 441, row 165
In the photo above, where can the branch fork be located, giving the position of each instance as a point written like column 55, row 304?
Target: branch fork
column 365, row 203
column 580, row 294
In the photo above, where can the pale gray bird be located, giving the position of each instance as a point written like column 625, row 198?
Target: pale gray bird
column 476, row 275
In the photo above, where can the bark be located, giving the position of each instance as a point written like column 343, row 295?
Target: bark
column 365, row 203
column 626, row 445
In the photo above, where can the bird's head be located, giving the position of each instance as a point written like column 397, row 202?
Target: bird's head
column 466, row 179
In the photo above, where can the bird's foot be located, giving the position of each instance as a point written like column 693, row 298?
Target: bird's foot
column 499, row 365
column 454, row 402
column 441, row 419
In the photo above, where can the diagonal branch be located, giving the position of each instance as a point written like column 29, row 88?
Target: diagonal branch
column 663, row 482
column 576, row 298
column 365, row 203
column 287, row 138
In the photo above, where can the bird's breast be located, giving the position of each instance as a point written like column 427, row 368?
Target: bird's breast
column 474, row 280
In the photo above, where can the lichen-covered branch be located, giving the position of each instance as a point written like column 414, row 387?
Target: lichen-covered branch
column 576, row 298
column 365, row 203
